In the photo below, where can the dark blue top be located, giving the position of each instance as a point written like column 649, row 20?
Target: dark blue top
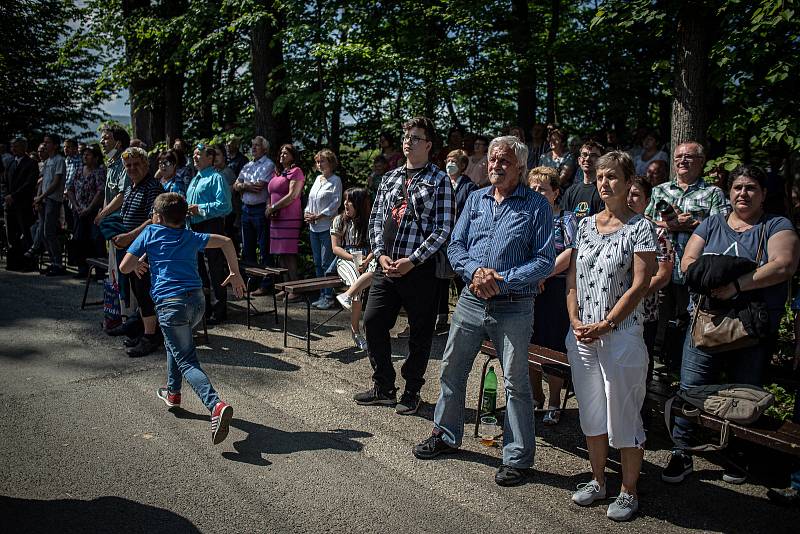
column 515, row 238
column 172, row 255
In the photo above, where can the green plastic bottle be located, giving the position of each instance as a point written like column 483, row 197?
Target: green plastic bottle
column 489, row 392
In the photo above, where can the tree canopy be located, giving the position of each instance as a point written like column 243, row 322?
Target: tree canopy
column 333, row 73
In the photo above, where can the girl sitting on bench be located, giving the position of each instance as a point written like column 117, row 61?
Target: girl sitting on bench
column 355, row 263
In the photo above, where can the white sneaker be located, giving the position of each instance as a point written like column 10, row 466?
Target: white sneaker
column 325, row 304
column 317, row 302
column 588, row 493
column 345, row 300
column 623, row 508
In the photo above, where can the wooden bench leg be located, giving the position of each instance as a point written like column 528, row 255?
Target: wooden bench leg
column 308, row 325
column 275, row 305
column 88, row 283
column 285, row 319
column 480, row 395
column 247, row 291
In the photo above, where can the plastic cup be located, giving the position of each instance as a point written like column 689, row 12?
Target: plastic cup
column 488, row 431
column 358, row 257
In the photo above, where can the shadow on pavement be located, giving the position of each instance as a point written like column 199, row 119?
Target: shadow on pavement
column 240, row 352
column 262, row 439
column 104, row 514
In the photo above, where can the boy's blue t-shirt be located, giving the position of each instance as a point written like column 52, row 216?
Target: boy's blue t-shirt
column 172, row 255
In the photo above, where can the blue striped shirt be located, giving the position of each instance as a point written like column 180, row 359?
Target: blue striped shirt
column 515, row 238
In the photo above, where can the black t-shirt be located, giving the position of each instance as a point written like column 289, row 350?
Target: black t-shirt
column 582, row 199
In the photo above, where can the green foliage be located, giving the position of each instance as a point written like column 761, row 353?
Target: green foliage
column 46, row 71
column 783, row 408
column 355, row 68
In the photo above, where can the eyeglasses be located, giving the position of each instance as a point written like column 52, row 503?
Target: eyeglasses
column 165, row 164
column 412, row 139
column 687, row 157
column 587, row 155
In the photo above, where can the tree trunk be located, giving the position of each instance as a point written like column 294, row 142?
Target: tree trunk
column 689, row 105
column 550, row 69
column 141, row 110
column 522, row 40
column 173, row 106
column 206, row 120
column 266, row 62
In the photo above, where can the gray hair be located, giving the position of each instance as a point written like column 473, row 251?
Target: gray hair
column 518, row 147
column 135, row 152
column 261, row 141
column 700, row 150
column 620, row 158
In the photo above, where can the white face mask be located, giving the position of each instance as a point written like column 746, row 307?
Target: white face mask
column 451, row 168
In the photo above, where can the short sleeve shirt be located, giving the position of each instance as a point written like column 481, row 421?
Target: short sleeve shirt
column 345, row 230
column 700, row 199
column 54, row 166
column 722, row 239
column 138, row 204
column 116, row 179
column 664, row 254
column 604, row 267
column 172, row 256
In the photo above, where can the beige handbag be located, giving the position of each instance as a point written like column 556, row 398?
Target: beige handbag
column 733, row 328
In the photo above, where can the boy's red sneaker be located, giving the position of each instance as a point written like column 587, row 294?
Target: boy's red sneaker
column 170, row 399
column 220, row 422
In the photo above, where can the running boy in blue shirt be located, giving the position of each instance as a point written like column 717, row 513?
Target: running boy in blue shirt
column 171, row 252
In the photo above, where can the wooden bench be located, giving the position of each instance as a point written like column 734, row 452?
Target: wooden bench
column 769, row 432
column 96, row 265
column 548, row 361
column 305, row 288
column 254, row 272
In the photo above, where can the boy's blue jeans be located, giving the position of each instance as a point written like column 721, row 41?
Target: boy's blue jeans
column 178, row 316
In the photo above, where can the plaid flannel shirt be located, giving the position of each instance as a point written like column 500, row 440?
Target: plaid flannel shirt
column 700, row 199
column 431, row 201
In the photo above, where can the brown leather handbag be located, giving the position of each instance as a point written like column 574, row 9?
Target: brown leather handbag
column 735, row 327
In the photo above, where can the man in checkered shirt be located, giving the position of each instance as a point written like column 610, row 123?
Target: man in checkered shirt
column 411, row 220
column 692, row 200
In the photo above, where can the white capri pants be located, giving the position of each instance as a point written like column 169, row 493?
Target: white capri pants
column 609, row 378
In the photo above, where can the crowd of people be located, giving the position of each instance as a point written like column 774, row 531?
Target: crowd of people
column 580, row 246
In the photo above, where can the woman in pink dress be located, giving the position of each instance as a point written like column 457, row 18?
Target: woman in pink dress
column 284, row 210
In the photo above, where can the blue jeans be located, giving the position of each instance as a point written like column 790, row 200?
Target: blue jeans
column 698, row 368
column 255, row 232
column 178, row 316
column 322, row 249
column 508, row 324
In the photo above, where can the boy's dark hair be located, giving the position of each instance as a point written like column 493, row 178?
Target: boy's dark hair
column 172, row 207
column 592, row 144
column 423, row 123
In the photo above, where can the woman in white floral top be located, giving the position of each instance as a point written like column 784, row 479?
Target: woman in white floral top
column 638, row 198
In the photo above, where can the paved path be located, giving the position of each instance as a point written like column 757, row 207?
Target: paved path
column 86, row 446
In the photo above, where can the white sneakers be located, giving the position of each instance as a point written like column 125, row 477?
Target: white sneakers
column 622, row 509
column 345, row 300
column 588, row 493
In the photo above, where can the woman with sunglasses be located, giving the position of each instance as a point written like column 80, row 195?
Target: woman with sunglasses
column 167, row 173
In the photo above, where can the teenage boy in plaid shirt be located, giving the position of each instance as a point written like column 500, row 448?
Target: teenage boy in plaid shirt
column 411, row 220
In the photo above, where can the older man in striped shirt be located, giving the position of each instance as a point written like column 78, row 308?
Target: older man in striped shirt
column 502, row 246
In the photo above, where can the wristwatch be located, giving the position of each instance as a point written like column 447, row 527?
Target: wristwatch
column 611, row 323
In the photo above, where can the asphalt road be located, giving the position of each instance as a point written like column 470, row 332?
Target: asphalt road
column 87, row 447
